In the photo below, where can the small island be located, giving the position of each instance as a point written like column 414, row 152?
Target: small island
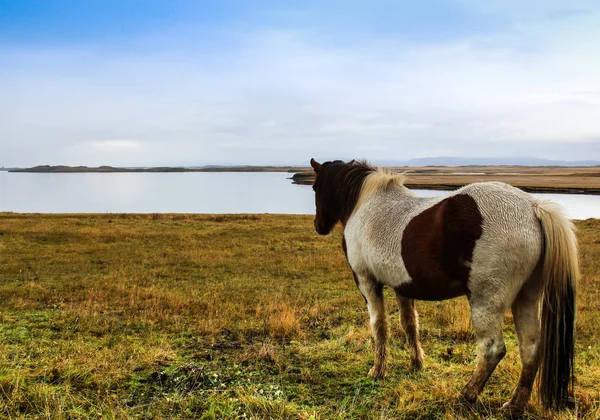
column 109, row 169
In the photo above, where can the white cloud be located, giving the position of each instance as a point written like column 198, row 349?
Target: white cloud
column 284, row 97
column 115, row 145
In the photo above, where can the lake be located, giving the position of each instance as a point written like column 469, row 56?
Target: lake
column 188, row 192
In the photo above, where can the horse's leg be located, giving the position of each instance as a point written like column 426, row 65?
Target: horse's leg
column 409, row 318
column 373, row 293
column 525, row 311
column 487, row 325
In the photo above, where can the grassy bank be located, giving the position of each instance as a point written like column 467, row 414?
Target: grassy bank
column 555, row 179
column 157, row 316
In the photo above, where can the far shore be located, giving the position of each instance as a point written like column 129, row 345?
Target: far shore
column 109, row 169
column 541, row 179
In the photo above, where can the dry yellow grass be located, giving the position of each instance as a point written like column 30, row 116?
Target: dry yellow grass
column 184, row 316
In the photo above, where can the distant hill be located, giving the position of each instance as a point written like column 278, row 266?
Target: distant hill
column 63, row 168
column 241, row 168
column 428, row 161
column 485, row 161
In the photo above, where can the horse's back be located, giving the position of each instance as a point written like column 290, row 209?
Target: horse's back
column 507, row 214
column 501, row 203
column 437, row 248
column 510, row 245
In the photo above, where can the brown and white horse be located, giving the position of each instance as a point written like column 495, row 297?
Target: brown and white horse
column 494, row 243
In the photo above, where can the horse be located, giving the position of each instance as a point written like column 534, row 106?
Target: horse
column 493, row 243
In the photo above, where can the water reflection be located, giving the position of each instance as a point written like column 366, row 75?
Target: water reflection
column 188, row 192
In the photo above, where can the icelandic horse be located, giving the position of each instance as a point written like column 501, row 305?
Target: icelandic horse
column 494, row 243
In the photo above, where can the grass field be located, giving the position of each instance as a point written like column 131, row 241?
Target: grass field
column 177, row 316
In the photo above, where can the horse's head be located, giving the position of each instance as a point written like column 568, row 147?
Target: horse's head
column 327, row 194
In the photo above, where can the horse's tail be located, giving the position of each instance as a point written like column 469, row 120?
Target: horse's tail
column 560, row 272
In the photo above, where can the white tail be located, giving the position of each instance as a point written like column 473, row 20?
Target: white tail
column 560, row 272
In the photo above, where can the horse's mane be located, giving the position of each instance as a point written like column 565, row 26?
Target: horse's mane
column 379, row 179
column 355, row 181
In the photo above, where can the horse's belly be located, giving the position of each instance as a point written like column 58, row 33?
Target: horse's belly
column 394, row 275
column 440, row 291
column 390, row 274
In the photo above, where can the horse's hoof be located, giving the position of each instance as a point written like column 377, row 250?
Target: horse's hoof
column 469, row 396
column 512, row 411
column 416, row 359
column 376, row 373
column 417, row 365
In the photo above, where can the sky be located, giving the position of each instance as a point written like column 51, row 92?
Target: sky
column 181, row 82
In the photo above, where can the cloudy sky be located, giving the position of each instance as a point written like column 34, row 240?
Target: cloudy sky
column 128, row 82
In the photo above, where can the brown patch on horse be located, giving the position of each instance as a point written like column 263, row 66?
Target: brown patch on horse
column 437, row 249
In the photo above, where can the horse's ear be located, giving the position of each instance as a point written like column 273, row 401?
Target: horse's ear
column 352, row 162
column 316, row 165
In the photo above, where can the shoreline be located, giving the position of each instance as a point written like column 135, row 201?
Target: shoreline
column 536, row 179
column 555, row 180
column 47, row 169
column 527, row 188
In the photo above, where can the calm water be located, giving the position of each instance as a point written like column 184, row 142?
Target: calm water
column 188, row 192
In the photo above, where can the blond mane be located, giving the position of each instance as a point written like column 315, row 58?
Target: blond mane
column 381, row 179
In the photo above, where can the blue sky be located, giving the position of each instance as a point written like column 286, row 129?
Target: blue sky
column 232, row 82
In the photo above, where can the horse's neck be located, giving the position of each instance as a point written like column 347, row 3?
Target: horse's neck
column 384, row 212
column 399, row 203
